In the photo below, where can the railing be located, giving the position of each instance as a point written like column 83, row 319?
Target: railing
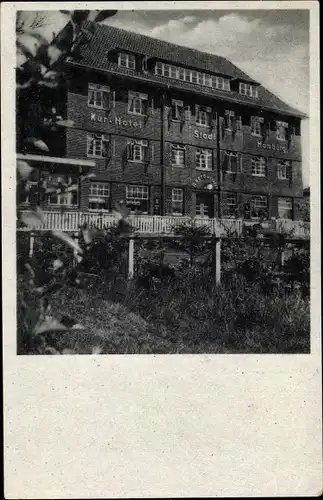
column 148, row 224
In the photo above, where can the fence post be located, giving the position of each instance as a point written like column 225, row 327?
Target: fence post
column 75, row 260
column 131, row 258
column 218, row 261
column 31, row 244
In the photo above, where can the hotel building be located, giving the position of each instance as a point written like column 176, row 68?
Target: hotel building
column 169, row 131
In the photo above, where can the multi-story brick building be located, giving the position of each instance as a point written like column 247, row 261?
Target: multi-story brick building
column 173, row 131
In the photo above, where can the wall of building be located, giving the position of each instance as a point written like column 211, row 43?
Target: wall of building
column 120, row 126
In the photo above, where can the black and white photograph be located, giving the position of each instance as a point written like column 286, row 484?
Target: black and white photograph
column 161, row 218
column 163, row 198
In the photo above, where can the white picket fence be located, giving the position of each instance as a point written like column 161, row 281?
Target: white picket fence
column 154, row 224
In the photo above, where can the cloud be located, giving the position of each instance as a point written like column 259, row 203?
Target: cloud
column 270, row 52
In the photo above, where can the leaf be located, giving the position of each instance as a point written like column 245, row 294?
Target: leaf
column 38, row 143
column 97, row 349
column 50, row 85
column 49, row 325
column 65, row 123
column 66, row 12
column 68, row 351
column 57, row 264
column 104, row 14
column 87, row 176
column 33, row 219
column 24, row 169
column 89, row 233
column 122, row 211
column 27, row 45
column 54, row 53
column 68, row 240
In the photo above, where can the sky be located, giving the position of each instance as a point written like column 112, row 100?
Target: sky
column 272, row 46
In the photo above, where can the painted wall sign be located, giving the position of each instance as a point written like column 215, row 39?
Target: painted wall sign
column 208, row 181
column 272, row 147
column 203, row 135
column 116, row 121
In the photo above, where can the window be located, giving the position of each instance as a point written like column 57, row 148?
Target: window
column 203, row 115
column 258, row 166
column 281, row 130
column 99, row 196
column 220, row 83
column 137, row 103
column 127, row 60
column 256, row 125
column 259, row 207
column 230, row 206
column 177, row 201
column 69, row 190
column 97, row 145
column 177, row 110
column 137, row 150
column 192, row 76
column 285, row 208
column 98, row 96
column 229, row 120
column 284, row 169
column 203, row 159
column 248, row 89
column 232, row 162
column 137, row 199
column 178, row 155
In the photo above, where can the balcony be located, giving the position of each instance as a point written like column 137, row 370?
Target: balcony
column 163, row 225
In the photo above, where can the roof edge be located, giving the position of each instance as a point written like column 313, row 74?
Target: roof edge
column 295, row 113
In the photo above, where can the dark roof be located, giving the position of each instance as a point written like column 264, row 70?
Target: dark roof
column 95, row 54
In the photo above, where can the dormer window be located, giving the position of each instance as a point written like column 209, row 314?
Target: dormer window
column 98, row 96
column 127, row 60
column 220, row 83
column 248, row 89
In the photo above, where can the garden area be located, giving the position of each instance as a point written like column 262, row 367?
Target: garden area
column 261, row 305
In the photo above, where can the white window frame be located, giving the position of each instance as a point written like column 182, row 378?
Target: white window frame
column 177, row 200
column 65, row 198
column 101, row 96
column 234, row 204
column 256, row 122
column 230, row 155
column 283, row 169
column 99, row 191
column 248, row 89
column 129, row 59
column 98, row 145
column 134, row 99
column 281, row 126
column 136, row 194
column 287, row 205
column 258, row 166
column 178, row 106
column 203, row 116
column 260, row 199
column 139, row 150
column 192, row 76
column 204, row 156
column 178, row 152
column 229, row 117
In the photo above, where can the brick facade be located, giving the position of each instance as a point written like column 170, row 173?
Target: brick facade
column 203, row 190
